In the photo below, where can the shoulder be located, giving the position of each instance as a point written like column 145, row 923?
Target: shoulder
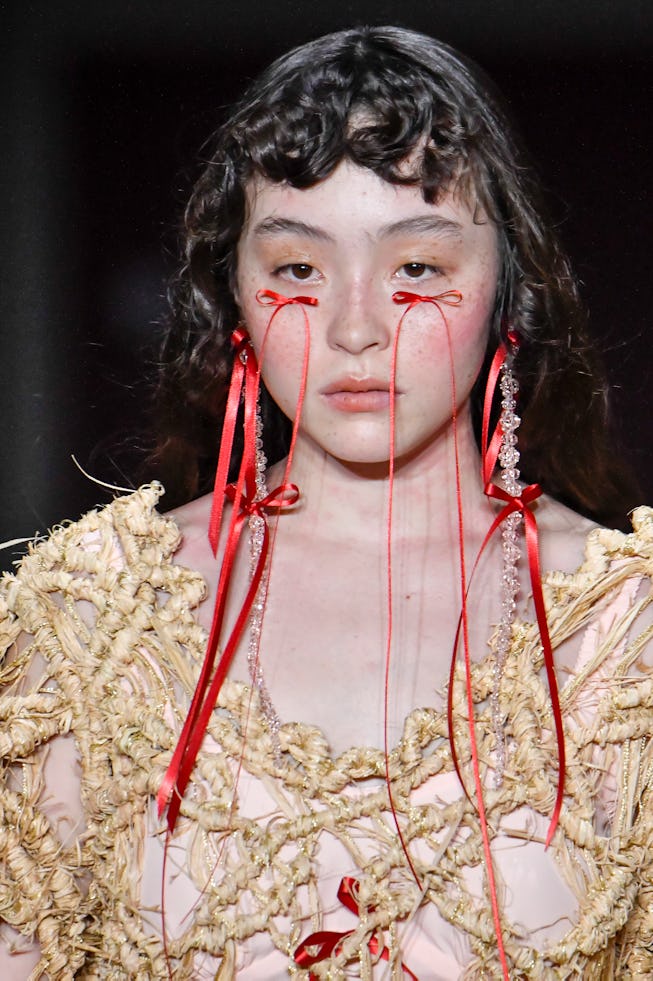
column 102, row 592
column 595, row 580
column 572, row 544
column 131, row 520
column 93, row 625
column 119, row 535
column 194, row 552
column 563, row 535
column 112, row 571
column 600, row 620
column 596, row 585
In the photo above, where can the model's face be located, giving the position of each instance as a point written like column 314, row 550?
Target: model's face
column 351, row 242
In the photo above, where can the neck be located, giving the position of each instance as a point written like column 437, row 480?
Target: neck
column 350, row 501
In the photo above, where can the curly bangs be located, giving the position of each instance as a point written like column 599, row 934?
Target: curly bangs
column 356, row 102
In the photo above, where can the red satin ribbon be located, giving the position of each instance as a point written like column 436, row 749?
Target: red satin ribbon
column 413, row 299
column 329, row 942
column 451, row 298
column 522, row 503
column 245, row 373
column 268, row 298
column 489, row 453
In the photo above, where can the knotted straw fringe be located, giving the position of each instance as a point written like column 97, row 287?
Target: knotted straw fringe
column 139, row 640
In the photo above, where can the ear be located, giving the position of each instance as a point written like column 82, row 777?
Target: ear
column 233, row 284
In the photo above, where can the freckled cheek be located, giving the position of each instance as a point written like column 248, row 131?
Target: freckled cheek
column 277, row 334
column 470, row 338
column 471, row 325
column 281, row 359
column 429, row 343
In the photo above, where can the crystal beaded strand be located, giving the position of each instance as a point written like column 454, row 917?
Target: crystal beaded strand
column 509, row 462
column 256, row 526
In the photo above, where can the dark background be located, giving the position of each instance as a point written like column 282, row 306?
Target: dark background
column 105, row 109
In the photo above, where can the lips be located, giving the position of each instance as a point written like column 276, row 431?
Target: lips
column 351, row 394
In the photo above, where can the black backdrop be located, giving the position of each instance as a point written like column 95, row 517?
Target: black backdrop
column 106, row 107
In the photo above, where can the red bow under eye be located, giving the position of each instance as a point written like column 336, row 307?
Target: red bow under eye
column 270, row 298
column 450, row 297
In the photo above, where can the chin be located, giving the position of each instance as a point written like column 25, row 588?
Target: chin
column 373, row 458
column 365, row 447
column 370, row 459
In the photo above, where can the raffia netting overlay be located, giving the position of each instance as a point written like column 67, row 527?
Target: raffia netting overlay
column 109, row 651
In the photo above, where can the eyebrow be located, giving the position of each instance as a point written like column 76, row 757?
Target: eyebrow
column 279, row 226
column 423, row 225
column 420, row 224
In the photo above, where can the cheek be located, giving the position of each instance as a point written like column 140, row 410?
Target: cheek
column 469, row 342
column 282, row 347
column 424, row 347
column 470, row 329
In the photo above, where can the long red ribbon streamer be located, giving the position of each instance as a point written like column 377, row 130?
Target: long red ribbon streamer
column 451, row 298
column 522, row 503
column 245, row 373
column 413, row 300
column 489, row 453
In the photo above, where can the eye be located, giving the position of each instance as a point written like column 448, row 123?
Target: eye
column 301, row 271
column 416, row 270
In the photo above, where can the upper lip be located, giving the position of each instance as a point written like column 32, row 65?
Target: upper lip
column 350, row 383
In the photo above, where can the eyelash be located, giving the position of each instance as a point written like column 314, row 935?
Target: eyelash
column 291, row 269
column 424, row 268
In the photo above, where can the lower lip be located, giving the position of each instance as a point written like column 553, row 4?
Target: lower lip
column 373, row 401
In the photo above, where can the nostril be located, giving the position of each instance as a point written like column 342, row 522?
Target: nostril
column 360, row 333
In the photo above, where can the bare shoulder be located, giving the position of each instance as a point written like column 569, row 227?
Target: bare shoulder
column 194, row 551
column 192, row 518
column 563, row 535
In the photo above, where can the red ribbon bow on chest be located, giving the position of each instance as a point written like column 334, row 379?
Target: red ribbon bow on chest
column 329, row 942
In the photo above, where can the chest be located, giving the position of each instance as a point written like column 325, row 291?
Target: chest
column 344, row 648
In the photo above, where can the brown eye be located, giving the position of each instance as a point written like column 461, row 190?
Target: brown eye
column 301, row 270
column 415, row 269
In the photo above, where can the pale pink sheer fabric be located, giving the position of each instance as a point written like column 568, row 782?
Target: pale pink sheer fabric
column 537, row 896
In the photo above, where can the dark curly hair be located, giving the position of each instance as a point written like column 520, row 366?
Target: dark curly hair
column 382, row 96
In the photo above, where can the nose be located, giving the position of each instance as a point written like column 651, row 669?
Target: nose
column 359, row 320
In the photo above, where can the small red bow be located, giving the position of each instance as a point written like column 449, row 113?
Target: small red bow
column 329, row 942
